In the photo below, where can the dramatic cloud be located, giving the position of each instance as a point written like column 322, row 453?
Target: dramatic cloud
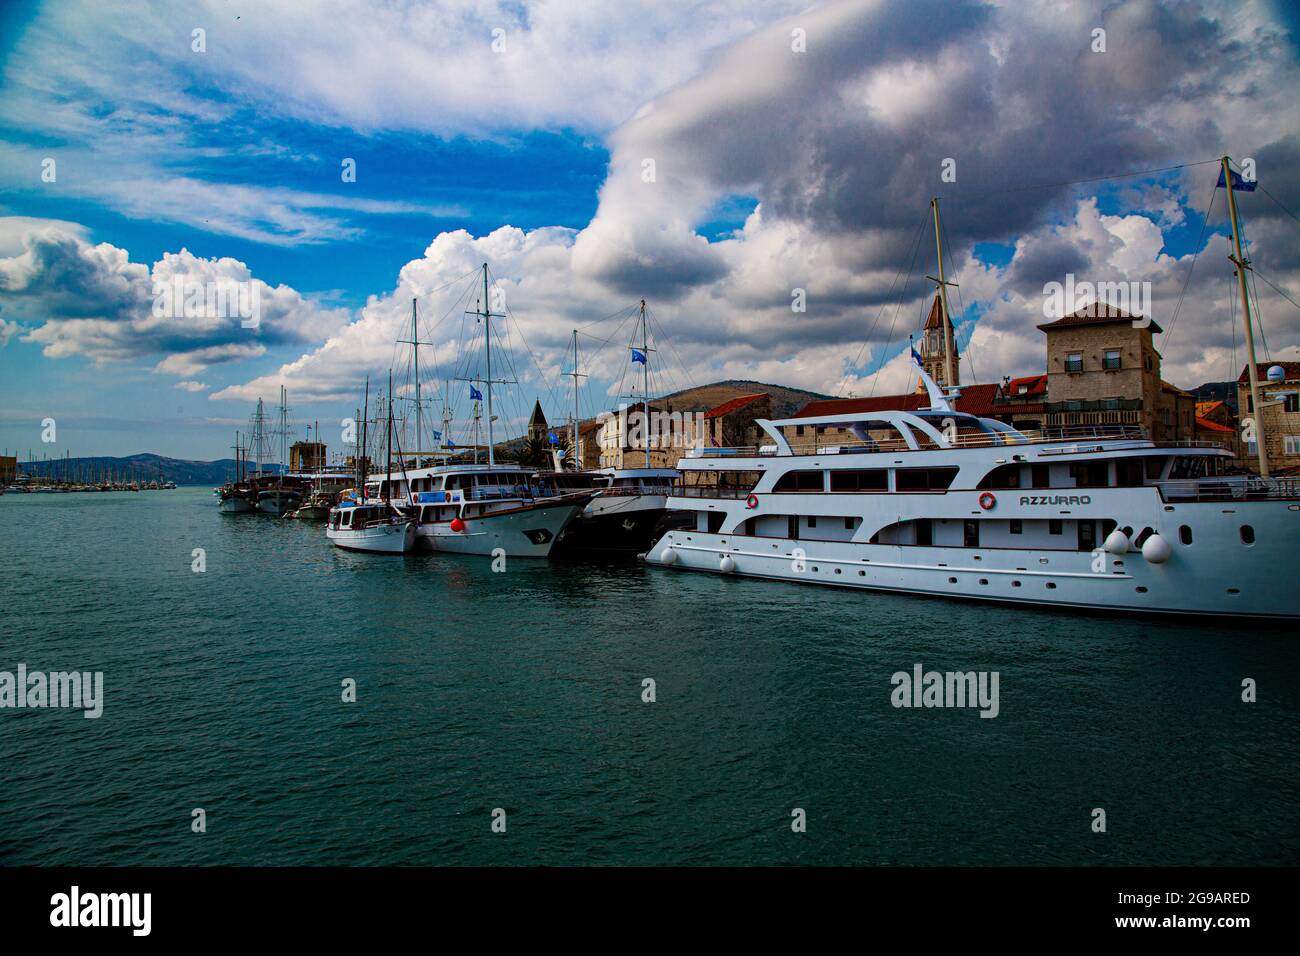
column 79, row 298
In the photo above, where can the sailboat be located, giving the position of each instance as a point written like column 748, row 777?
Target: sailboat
column 373, row 525
column 481, row 508
column 627, row 515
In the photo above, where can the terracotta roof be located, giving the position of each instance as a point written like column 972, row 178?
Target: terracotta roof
column 1037, row 385
column 740, row 401
column 1099, row 313
column 1207, row 408
column 974, row 400
column 1261, row 369
column 1210, row 426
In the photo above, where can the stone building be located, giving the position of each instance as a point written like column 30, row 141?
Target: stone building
column 306, row 456
column 8, row 470
column 1215, row 424
column 1278, row 418
column 1103, row 369
column 622, row 437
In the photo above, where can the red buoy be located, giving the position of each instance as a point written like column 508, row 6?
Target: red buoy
column 457, row 524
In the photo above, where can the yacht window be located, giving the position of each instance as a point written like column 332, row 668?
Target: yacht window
column 971, row 534
column 1089, row 474
column 1247, row 534
column 715, row 521
column 924, row 479
column 1185, row 534
column 1017, row 526
column 800, row 481
column 1041, row 476
column 1054, row 526
column 1128, row 472
column 924, row 532
column 1003, row 476
column 876, row 479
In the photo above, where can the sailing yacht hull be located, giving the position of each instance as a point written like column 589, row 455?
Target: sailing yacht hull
column 625, row 524
column 237, row 506
column 278, row 502
column 384, row 539
column 526, row 532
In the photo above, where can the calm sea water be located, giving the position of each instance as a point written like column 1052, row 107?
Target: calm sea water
column 523, row 691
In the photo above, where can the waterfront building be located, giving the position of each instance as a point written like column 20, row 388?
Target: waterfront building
column 1279, row 416
column 307, row 456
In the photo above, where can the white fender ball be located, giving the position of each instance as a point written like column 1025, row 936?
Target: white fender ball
column 1156, row 549
column 727, row 564
column 668, row 557
column 1116, row 542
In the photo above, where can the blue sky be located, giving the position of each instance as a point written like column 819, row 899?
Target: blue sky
column 776, row 169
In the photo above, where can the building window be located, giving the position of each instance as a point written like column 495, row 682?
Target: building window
column 798, row 429
column 1074, row 361
column 1291, row 402
column 1290, row 444
column 1110, row 404
column 1111, row 360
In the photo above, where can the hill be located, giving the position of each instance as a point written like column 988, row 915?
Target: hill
column 785, row 400
column 142, row 467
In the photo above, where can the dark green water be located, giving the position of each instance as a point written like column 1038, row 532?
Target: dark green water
column 523, row 690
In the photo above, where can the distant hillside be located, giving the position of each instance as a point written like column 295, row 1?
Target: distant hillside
column 785, row 400
column 143, row 467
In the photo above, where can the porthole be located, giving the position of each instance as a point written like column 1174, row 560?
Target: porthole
column 952, row 580
column 1140, row 589
column 984, row 580
column 1185, row 534
column 1051, row 586
column 1015, row 584
column 862, row 574
column 837, row 570
column 1234, row 590
column 1247, row 534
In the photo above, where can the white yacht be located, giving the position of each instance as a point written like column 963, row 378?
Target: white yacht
column 476, row 509
column 374, row 526
column 941, row 503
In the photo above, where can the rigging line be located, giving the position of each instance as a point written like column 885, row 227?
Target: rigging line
column 1259, row 317
column 604, row 318
column 1280, row 292
column 879, row 312
column 1075, row 182
column 1277, row 201
column 961, row 310
column 531, row 354
column 1196, row 252
column 884, row 354
column 663, row 338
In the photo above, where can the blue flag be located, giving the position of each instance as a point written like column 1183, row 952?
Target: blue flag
column 437, row 436
column 555, row 439
column 1238, row 184
column 474, row 394
column 916, row 357
column 638, row 356
column 450, row 443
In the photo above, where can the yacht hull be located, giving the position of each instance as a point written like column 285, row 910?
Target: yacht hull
column 1217, row 576
column 526, row 532
column 237, row 506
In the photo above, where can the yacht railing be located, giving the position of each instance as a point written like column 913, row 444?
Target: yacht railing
column 1077, row 436
column 1228, row 488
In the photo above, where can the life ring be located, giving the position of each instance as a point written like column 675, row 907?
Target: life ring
column 751, row 501
column 987, row 501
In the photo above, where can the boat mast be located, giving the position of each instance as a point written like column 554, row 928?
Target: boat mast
column 487, row 336
column 365, row 442
column 645, row 383
column 950, row 365
column 1242, row 264
column 388, row 449
column 577, row 452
